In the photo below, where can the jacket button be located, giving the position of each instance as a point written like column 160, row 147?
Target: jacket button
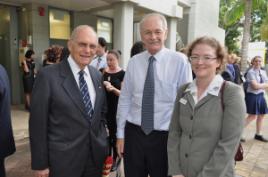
column 190, row 136
column 186, row 155
column 191, row 118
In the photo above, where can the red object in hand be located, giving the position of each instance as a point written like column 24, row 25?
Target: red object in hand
column 107, row 166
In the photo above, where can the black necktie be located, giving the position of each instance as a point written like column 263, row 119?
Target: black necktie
column 85, row 94
column 261, row 80
column 147, row 111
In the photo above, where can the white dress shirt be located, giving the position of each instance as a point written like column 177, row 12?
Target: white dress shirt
column 75, row 69
column 256, row 74
column 213, row 88
column 172, row 69
column 102, row 64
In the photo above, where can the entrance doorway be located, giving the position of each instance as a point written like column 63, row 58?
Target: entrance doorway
column 9, row 49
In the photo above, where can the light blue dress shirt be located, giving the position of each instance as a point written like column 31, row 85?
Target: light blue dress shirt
column 172, row 69
column 254, row 74
column 102, row 64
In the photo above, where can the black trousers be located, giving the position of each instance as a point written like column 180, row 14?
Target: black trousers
column 91, row 170
column 2, row 168
column 145, row 154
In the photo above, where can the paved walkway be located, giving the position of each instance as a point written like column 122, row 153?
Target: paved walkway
column 255, row 163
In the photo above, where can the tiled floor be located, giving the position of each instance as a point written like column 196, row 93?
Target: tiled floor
column 255, row 163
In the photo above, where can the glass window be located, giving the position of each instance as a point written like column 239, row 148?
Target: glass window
column 59, row 24
column 104, row 29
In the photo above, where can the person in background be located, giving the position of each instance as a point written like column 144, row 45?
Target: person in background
column 67, row 123
column 113, row 78
column 146, row 100
column 137, row 47
column 64, row 54
column 100, row 62
column 255, row 99
column 28, row 66
column 7, row 144
column 232, row 71
column 202, row 142
column 52, row 55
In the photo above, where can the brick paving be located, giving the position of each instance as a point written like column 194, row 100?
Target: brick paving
column 255, row 163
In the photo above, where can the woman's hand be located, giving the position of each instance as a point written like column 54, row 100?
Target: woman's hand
column 108, row 86
column 178, row 176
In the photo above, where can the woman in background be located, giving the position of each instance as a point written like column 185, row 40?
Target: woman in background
column 202, row 142
column 113, row 78
column 28, row 66
column 256, row 105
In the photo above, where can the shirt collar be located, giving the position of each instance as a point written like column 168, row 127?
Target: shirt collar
column 158, row 56
column 213, row 88
column 74, row 66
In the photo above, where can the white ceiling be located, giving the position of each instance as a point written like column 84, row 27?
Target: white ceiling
column 76, row 5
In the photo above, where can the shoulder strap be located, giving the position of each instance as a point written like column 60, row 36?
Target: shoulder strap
column 221, row 92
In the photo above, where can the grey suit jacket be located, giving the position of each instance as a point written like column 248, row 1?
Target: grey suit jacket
column 203, row 138
column 7, row 144
column 61, row 137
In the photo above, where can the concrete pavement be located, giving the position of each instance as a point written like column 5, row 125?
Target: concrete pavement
column 255, row 163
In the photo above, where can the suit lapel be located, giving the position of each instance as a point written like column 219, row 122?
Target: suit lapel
column 203, row 101
column 98, row 88
column 70, row 86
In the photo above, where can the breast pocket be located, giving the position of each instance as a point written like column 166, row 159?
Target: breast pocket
column 166, row 92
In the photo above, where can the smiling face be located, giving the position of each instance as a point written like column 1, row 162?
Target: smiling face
column 257, row 62
column 207, row 63
column 112, row 61
column 83, row 45
column 153, row 34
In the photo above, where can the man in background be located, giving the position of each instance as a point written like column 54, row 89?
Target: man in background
column 100, row 62
column 7, row 144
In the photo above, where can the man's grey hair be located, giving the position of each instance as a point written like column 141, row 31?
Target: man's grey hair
column 160, row 16
column 78, row 29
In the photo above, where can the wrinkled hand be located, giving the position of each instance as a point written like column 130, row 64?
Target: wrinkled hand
column 41, row 173
column 120, row 147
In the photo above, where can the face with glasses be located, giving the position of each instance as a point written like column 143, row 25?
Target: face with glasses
column 204, row 61
column 83, row 46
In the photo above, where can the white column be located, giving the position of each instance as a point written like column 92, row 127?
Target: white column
column 123, row 30
column 172, row 30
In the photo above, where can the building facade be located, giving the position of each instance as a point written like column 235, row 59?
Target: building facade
column 37, row 24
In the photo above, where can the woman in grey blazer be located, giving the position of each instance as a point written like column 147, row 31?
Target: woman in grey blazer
column 205, row 132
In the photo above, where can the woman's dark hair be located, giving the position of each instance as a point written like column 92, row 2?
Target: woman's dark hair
column 53, row 53
column 102, row 42
column 115, row 52
column 29, row 53
column 137, row 47
column 64, row 53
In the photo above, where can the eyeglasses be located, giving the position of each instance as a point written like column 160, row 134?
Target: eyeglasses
column 203, row 58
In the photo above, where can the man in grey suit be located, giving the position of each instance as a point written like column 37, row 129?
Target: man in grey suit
column 7, row 144
column 67, row 120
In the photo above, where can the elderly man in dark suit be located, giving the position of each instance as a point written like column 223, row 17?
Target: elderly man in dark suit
column 67, row 120
column 7, row 145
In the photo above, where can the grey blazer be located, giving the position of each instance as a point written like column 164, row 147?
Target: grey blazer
column 61, row 138
column 203, row 138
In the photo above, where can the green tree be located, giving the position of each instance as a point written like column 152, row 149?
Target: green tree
column 242, row 9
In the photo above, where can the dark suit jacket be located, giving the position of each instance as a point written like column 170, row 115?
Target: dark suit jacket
column 61, row 137
column 7, row 145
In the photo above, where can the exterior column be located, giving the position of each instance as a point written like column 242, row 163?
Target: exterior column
column 172, row 30
column 123, row 36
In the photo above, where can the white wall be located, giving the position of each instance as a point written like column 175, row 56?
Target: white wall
column 203, row 20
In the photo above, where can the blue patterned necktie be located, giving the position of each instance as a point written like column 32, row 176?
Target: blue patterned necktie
column 85, row 94
column 261, row 80
column 147, row 110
